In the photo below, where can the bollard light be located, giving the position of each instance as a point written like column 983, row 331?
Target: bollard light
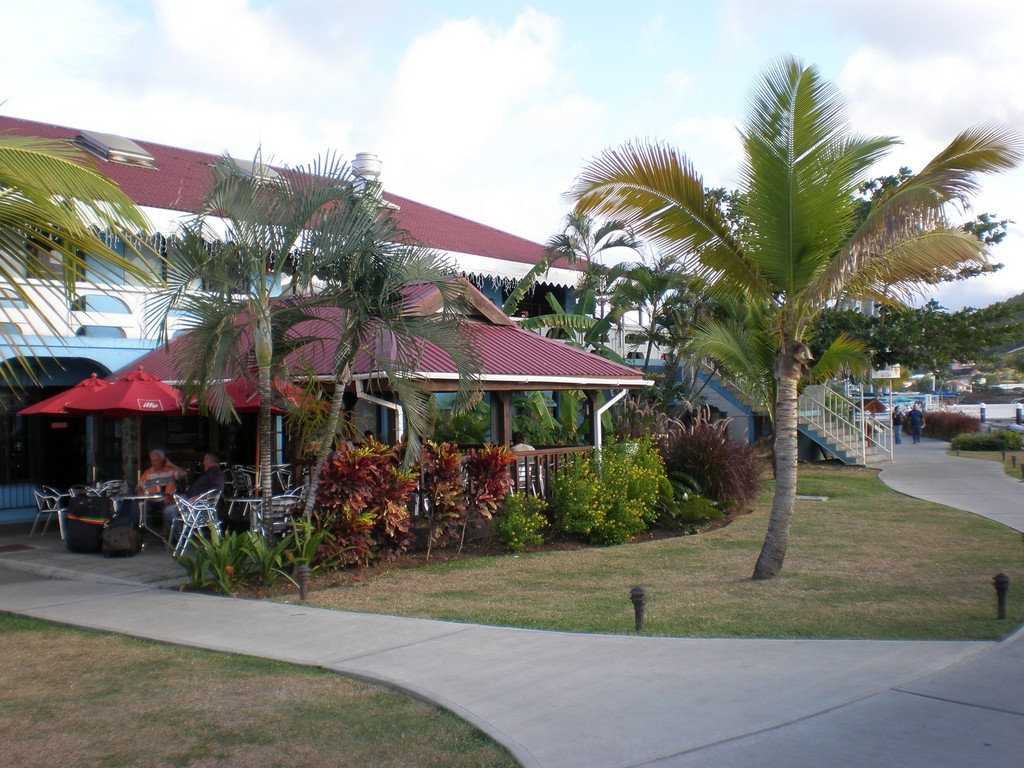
column 302, row 576
column 983, row 413
column 1019, row 416
column 1002, row 584
column 638, row 596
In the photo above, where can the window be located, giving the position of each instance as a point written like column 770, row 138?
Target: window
column 100, row 303
column 114, row 149
column 101, row 332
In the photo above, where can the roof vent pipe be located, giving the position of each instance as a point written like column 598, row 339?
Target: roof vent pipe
column 366, row 166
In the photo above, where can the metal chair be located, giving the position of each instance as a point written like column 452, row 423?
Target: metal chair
column 114, row 488
column 82, row 490
column 243, row 481
column 49, row 503
column 195, row 515
column 282, row 508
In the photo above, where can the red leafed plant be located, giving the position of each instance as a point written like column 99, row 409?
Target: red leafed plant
column 444, row 493
column 363, row 501
column 489, row 482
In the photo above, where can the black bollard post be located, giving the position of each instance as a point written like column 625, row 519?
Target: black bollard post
column 1019, row 416
column 1002, row 584
column 302, row 576
column 638, row 596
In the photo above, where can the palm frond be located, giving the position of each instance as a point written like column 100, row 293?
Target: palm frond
column 844, row 354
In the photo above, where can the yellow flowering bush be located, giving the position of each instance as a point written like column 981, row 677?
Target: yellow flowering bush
column 612, row 496
column 522, row 521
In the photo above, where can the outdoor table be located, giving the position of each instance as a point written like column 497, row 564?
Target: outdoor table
column 142, row 500
column 250, row 508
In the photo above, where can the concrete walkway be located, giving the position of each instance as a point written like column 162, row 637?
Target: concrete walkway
column 562, row 700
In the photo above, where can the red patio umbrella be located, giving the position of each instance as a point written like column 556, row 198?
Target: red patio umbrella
column 245, row 396
column 135, row 394
column 59, row 404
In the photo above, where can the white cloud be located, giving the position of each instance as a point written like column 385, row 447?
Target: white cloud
column 479, row 122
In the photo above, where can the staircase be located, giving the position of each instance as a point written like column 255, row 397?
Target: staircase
column 842, row 429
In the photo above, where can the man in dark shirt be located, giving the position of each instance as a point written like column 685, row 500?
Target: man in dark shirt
column 211, row 479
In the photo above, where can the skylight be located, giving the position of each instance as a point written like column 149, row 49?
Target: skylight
column 258, row 171
column 114, row 148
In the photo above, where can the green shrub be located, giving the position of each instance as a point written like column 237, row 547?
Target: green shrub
column 1000, row 440
column 945, row 425
column 691, row 510
column 574, row 491
column 522, row 521
column 614, row 505
column 220, row 562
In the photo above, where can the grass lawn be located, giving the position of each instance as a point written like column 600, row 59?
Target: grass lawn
column 88, row 699
column 867, row 563
column 1012, row 461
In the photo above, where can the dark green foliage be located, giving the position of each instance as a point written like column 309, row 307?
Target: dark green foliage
column 1000, row 440
column 701, row 457
column 946, row 425
column 522, row 521
column 923, row 338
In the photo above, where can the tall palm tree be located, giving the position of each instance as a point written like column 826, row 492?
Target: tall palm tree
column 226, row 273
column 55, row 209
column 366, row 269
column 804, row 247
column 312, row 245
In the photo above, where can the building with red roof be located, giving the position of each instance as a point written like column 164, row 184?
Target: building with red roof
column 107, row 330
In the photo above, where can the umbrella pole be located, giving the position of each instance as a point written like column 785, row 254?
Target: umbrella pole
column 90, row 446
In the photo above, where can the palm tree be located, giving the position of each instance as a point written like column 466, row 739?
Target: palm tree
column 236, row 317
column 581, row 241
column 309, row 245
column 365, row 265
column 54, row 210
column 647, row 289
column 804, row 247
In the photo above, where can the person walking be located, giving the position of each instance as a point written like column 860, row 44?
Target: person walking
column 898, row 418
column 916, row 419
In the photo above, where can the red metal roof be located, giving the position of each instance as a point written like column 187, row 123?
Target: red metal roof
column 182, row 176
column 507, row 353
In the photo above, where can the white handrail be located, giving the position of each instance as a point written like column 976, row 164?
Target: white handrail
column 849, row 427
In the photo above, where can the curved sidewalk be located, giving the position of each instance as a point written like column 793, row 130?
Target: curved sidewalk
column 925, row 471
column 585, row 701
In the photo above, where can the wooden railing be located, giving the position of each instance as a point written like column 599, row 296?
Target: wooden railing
column 533, row 471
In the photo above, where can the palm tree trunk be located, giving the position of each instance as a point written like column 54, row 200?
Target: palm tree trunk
column 266, row 433
column 326, row 441
column 776, row 540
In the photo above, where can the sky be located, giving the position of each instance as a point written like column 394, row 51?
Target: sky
column 490, row 109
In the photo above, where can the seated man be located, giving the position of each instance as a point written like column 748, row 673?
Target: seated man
column 160, row 478
column 212, row 479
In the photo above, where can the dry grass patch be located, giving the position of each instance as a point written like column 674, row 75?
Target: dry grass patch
column 88, row 699
column 867, row 563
